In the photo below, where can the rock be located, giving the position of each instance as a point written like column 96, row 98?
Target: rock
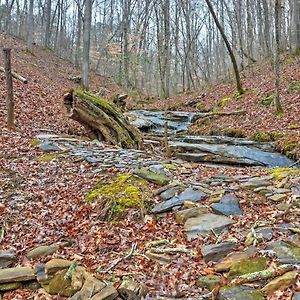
column 168, row 194
column 266, row 233
column 60, row 285
column 108, row 293
column 247, row 266
column 280, row 283
column 48, row 147
column 42, row 251
column 205, row 224
column 41, row 275
column 255, row 183
column 293, row 240
column 226, row 263
column 296, row 296
column 159, row 257
column 239, row 293
column 209, row 282
column 56, row 264
column 18, row 274
column 130, row 284
column 158, row 169
column 228, row 205
column 126, row 294
column 286, row 253
column 10, row 286
column 183, row 215
column 150, row 176
column 7, row 258
column 90, row 287
column 278, row 197
column 78, row 277
column 188, row 194
column 216, row 252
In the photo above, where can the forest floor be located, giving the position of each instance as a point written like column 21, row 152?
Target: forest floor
column 42, row 200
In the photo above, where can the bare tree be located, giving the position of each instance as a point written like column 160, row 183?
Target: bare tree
column 231, row 54
column 30, row 26
column 86, row 42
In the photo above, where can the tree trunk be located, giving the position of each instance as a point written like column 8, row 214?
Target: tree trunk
column 232, row 57
column 30, row 27
column 9, row 87
column 48, row 24
column 295, row 26
column 86, row 43
column 103, row 120
column 276, row 57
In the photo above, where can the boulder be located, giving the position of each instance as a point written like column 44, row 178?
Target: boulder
column 182, row 215
column 7, row 258
column 209, row 282
column 56, row 264
column 42, row 251
column 108, row 293
column 247, row 266
column 226, row 263
column 60, row 285
column 280, row 283
column 18, row 274
column 160, row 179
column 228, row 205
column 216, row 252
column 204, row 224
column 239, row 293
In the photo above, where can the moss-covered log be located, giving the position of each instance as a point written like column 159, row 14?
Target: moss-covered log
column 103, row 120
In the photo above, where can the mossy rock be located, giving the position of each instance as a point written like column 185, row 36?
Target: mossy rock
column 10, row 286
column 239, row 293
column 262, row 136
column 234, row 132
column 122, row 191
column 280, row 173
column 153, row 177
column 209, row 282
column 247, row 266
column 59, row 285
column 35, row 142
column 51, row 157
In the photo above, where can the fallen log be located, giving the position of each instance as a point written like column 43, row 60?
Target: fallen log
column 15, row 75
column 103, row 120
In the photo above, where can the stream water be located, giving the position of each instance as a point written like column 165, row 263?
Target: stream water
column 212, row 149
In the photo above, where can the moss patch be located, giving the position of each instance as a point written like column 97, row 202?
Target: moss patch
column 250, row 265
column 280, row 173
column 267, row 100
column 293, row 87
column 35, row 142
column 222, row 102
column 122, row 191
column 49, row 157
column 234, row 132
column 262, row 136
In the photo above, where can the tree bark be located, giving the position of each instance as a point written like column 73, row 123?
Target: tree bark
column 86, row 43
column 231, row 54
column 30, row 27
column 103, row 120
column 9, row 87
column 276, row 57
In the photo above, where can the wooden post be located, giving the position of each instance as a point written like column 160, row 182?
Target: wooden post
column 9, row 87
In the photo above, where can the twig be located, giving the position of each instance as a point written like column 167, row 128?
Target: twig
column 156, row 243
column 71, row 270
column 15, row 75
column 295, row 163
column 116, row 262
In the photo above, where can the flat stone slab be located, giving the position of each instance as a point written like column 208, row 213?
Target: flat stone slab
column 187, row 195
column 204, row 224
column 18, row 274
column 228, row 205
column 216, row 252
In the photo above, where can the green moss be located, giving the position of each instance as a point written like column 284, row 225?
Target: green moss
column 267, row 100
column 262, row 136
column 202, row 107
column 209, row 282
column 35, row 142
column 170, row 166
column 293, row 87
column 153, row 177
column 222, row 102
column 247, row 266
column 294, row 126
column 280, row 173
column 234, row 132
column 124, row 190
